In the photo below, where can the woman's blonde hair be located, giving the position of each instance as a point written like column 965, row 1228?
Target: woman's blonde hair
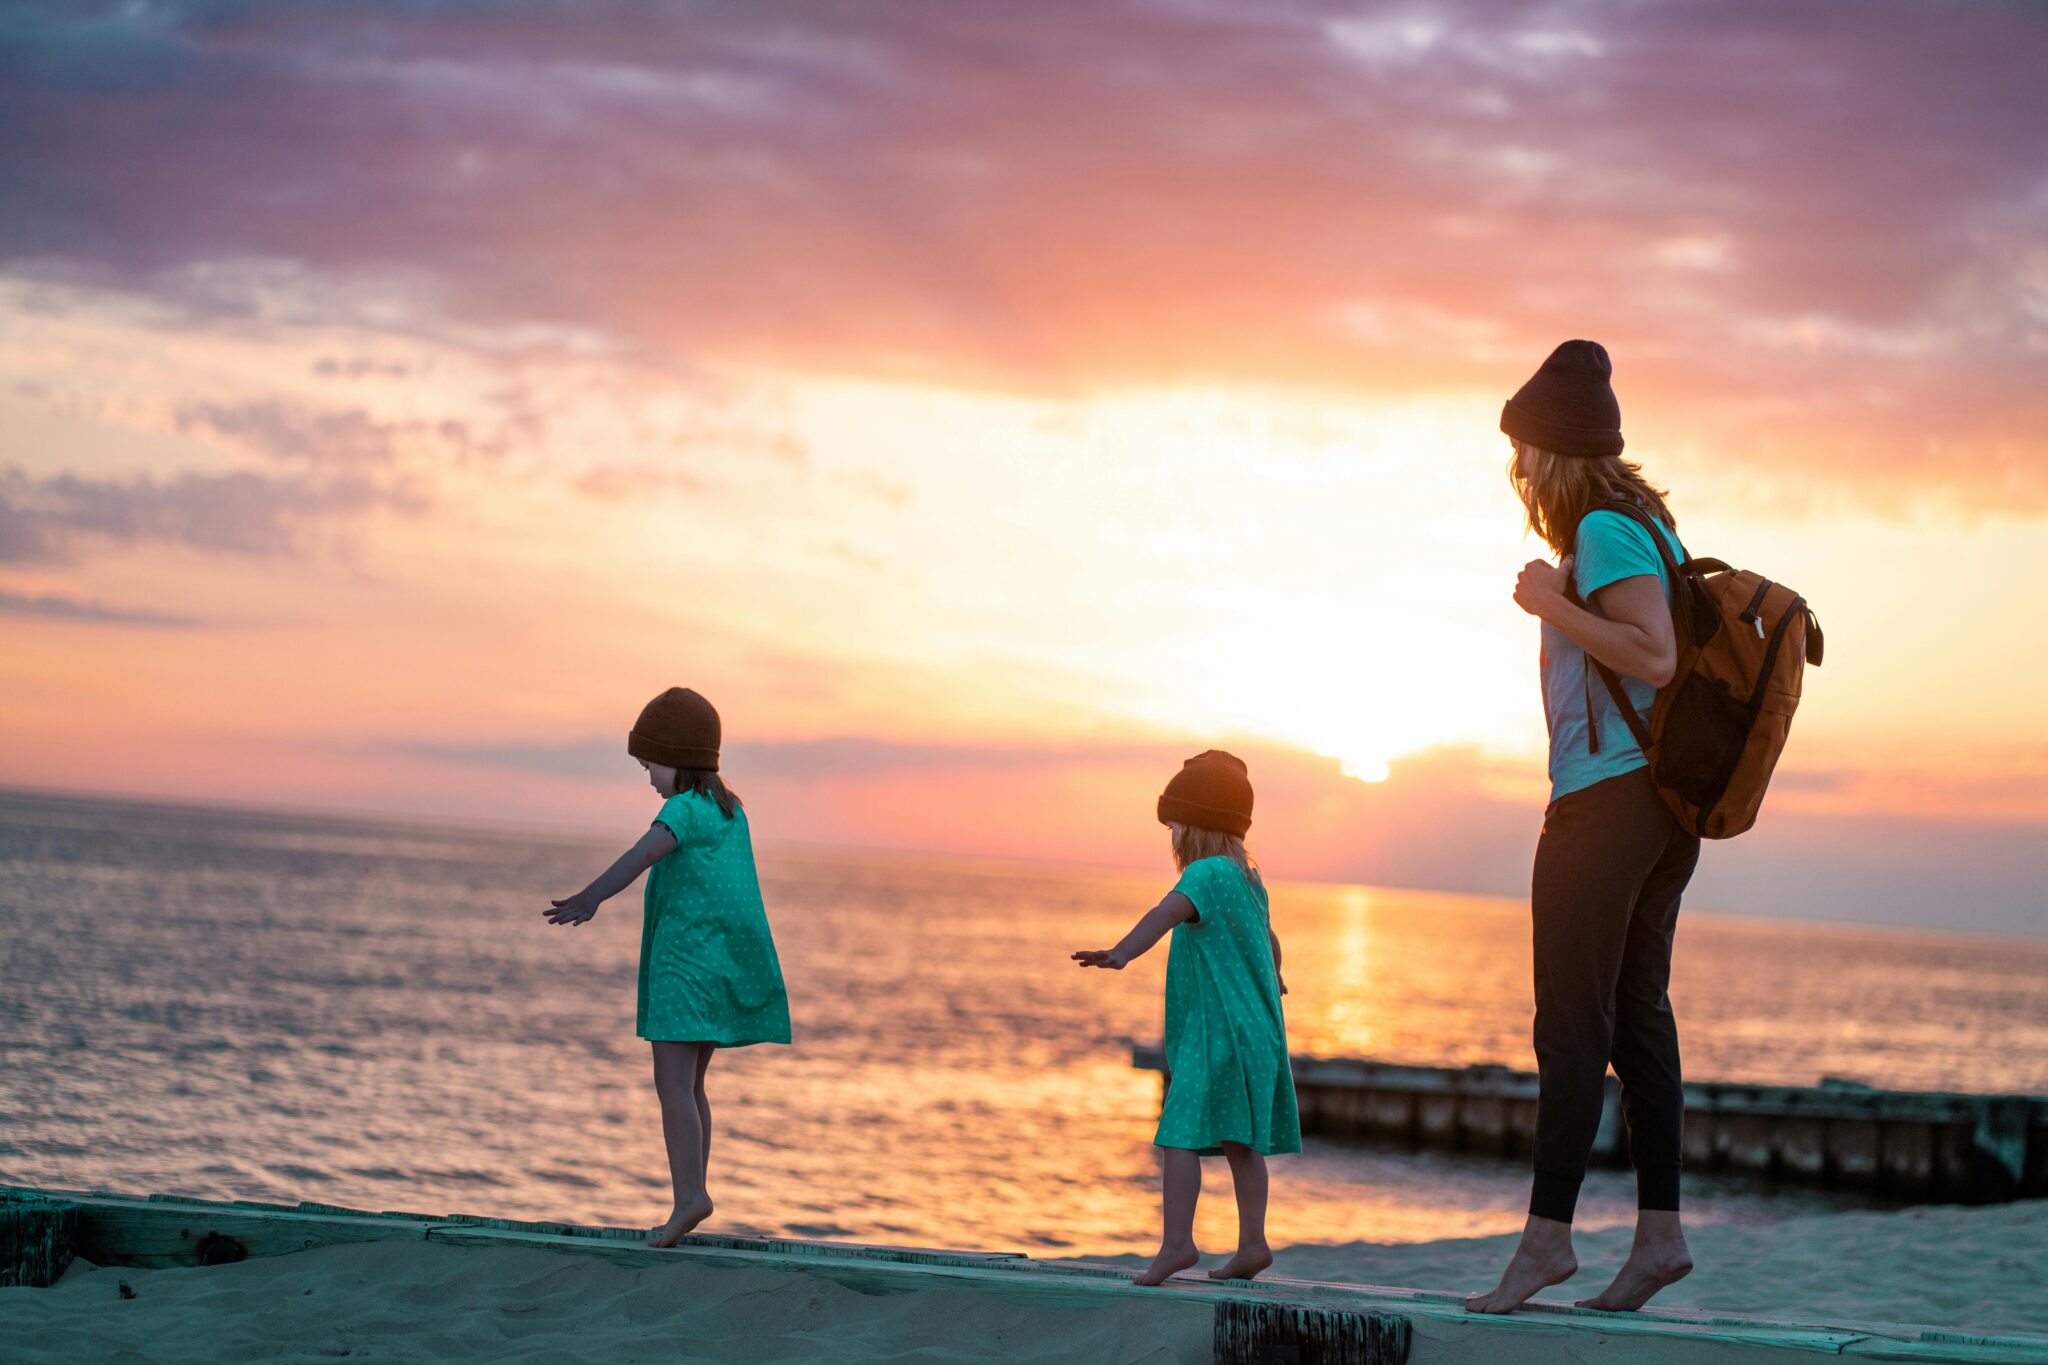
column 1192, row 843
column 1558, row 490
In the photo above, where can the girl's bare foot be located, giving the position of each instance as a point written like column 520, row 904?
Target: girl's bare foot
column 1544, row 1258
column 1658, row 1259
column 1170, row 1260
column 681, row 1222
column 1251, row 1258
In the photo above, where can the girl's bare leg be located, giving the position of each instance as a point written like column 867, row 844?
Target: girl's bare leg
column 676, row 1069
column 704, row 1106
column 1180, row 1187
column 1248, row 1175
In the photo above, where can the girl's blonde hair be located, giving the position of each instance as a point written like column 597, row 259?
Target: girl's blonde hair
column 1192, row 843
column 1558, row 490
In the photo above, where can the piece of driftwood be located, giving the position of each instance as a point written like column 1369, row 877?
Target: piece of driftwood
column 1301, row 1334
column 38, row 1238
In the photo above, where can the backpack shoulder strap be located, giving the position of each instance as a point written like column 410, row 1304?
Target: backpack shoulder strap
column 1637, row 726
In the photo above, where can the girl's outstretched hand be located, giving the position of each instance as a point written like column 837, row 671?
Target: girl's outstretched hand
column 575, row 910
column 1101, row 957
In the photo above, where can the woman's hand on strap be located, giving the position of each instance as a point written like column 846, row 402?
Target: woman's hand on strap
column 1542, row 585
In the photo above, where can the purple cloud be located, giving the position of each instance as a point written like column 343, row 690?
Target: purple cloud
column 71, row 609
column 287, row 432
column 243, row 513
column 314, row 436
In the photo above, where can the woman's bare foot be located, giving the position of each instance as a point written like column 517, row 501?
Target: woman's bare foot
column 1170, row 1260
column 1658, row 1260
column 681, row 1222
column 1251, row 1258
column 1543, row 1259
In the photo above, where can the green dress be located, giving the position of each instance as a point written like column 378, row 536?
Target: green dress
column 708, row 970
column 1226, row 1038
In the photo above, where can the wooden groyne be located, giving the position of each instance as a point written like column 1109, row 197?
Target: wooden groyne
column 1923, row 1146
column 1270, row 1320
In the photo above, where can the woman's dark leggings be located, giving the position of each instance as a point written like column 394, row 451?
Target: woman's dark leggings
column 1610, row 868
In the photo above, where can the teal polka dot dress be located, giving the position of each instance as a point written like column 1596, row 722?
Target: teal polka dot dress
column 1226, row 1039
column 708, row 970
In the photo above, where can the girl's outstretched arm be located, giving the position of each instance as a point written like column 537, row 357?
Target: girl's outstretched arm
column 657, row 843
column 1175, row 909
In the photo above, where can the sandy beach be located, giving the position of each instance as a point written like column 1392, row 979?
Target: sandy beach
column 1984, row 1269
column 421, row 1302
column 1975, row 1269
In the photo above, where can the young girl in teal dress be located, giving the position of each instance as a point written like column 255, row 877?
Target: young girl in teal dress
column 709, row 977
column 1229, row 1090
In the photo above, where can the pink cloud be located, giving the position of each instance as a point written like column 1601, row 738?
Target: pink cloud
column 1807, row 234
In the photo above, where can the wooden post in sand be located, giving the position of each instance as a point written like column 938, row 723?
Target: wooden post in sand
column 37, row 1239
column 1302, row 1334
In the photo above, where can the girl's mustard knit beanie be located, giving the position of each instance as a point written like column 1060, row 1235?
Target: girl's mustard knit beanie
column 1212, row 790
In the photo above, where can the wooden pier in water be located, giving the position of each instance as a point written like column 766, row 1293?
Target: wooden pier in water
column 1920, row 1146
column 1267, row 1321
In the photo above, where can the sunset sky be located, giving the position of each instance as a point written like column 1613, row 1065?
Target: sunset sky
column 987, row 405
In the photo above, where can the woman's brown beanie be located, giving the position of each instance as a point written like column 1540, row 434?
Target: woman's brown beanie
column 1212, row 790
column 1568, row 407
column 678, row 729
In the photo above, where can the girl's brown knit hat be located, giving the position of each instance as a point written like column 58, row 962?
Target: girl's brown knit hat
column 678, row 729
column 1212, row 790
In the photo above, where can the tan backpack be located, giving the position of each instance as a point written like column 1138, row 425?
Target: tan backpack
column 1719, row 725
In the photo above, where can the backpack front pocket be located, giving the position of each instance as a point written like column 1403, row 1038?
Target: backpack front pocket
column 1703, row 737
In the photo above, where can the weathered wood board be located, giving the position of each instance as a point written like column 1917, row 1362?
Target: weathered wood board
column 160, row 1231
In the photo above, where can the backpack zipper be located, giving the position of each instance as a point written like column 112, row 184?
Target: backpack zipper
column 1750, row 613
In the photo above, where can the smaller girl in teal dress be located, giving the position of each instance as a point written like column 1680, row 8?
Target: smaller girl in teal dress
column 709, row 977
column 1229, row 1089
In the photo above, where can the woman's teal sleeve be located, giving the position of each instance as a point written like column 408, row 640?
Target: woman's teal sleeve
column 1612, row 547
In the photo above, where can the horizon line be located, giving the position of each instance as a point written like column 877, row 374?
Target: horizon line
column 450, row 823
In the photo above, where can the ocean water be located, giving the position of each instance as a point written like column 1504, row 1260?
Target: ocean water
column 238, row 1005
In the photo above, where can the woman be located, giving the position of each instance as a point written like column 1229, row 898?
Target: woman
column 1612, row 862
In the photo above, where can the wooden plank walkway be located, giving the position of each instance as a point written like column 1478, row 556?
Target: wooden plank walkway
column 1924, row 1146
column 160, row 1231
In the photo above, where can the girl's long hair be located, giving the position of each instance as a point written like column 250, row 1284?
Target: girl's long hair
column 1192, row 843
column 709, row 783
column 1558, row 490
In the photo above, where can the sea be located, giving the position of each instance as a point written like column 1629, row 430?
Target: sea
column 236, row 1004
